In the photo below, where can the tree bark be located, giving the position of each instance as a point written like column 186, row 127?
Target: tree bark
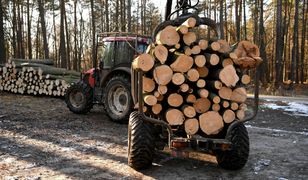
column 62, row 36
column 2, row 39
column 43, row 26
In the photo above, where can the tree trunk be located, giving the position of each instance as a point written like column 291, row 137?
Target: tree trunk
column 295, row 59
column 29, row 30
column 43, row 26
column 62, row 36
column 221, row 18
column 107, row 15
column 279, row 43
column 68, row 46
column 75, row 37
column 129, row 14
column 264, row 70
column 93, row 34
column 303, row 44
column 2, row 39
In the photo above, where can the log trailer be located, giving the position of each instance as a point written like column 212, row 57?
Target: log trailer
column 191, row 99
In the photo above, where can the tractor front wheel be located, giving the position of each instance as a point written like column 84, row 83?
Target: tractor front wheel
column 79, row 98
column 140, row 142
column 117, row 98
column 237, row 157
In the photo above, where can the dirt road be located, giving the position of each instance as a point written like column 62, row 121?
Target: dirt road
column 41, row 139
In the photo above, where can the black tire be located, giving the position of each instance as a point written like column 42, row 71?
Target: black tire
column 141, row 145
column 79, row 98
column 118, row 100
column 237, row 157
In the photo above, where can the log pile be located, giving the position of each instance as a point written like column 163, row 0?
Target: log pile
column 196, row 84
column 35, row 77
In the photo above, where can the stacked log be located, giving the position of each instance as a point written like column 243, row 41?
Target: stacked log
column 35, row 77
column 196, row 84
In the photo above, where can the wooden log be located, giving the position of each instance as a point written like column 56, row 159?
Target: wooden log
column 247, row 49
column 174, row 117
column 190, row 22
column 228, row 76
column 175, row 100
column 148, row 84
column 150, row 100
column 213, row 59
column 228, row 116
column 196, row 50
column 189, row 38
column 239, row 95
column 37, row 61
column 216, row 107
column 161, row 53
column 211, row 122
column 203, row 44
column 157, row 108
column 189, row 111
column 225, row 104
column 184, row 87
column 203, row 71
column 182, row 63
column 187, row 51
column 234, row 106
column 190, row 98
column 247, row 62
column 168, row 36
column 144, row 62
column 214, row 46
column 178, row 78
column 203, row 93
column 225, row 93
column 214, row 97
column 240, row 114
column 200, row 60
column 202, row 105
column 162, row 74
column 224, row 46
column 245, row 79
column 201, row 83
column 162, row 89
column 243, row 106
column 191, row 126
column 192, row 75
column 214, row 84
column 182, row 29
column 226, row 62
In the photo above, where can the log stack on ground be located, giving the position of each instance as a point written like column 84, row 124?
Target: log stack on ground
column 35, row 77
column 196, row 84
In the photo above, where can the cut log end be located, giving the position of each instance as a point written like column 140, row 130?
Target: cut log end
column 191, row 126
column 211, row 122
column 174, row 117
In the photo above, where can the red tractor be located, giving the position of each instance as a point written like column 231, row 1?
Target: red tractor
column 109, row 84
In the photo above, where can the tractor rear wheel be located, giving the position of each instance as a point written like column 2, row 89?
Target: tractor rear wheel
column 237, row 157
column 79, row 98
column 140, row 143
column 117, row 98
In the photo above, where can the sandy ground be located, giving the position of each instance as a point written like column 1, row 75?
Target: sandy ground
column 41, row 139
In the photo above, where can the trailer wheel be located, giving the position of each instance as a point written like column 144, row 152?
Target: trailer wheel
column 117, row 98
column 237, row 157
column 79, row 98
column 140, row 143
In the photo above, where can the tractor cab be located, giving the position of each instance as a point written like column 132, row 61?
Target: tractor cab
column 108, row 84
column 120, row 49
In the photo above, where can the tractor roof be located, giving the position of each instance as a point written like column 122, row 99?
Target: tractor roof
column 123, row 36
column 126, row 38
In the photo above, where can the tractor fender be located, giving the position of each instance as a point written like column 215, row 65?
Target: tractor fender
column 115, row 71
column 88, row 77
